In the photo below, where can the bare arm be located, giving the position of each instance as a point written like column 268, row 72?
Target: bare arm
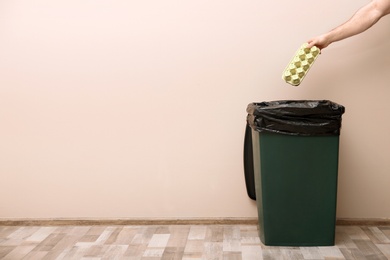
column 363, row 19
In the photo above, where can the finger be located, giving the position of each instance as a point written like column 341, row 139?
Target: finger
column 310, row 44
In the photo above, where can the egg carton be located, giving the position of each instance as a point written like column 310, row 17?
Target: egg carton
column 300, row 64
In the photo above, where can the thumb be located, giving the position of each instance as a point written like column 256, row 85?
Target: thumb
column 310, row 44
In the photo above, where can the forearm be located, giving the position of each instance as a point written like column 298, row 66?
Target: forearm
column 363, row 19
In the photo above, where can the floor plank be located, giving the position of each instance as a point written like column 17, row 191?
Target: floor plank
column 175, row 242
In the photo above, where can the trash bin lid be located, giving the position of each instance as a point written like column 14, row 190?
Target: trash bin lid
column 296, row 117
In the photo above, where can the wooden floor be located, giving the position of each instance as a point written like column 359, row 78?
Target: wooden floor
column 180, row 242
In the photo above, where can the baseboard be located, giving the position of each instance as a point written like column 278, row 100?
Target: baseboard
column 169, row 221
column 363, row 222
column 126, row 222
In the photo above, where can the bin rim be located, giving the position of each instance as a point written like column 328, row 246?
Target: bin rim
column 296, row 117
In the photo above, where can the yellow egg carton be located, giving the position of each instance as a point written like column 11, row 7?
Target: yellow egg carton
column 298, row 67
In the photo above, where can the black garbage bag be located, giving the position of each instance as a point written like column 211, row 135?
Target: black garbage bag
column 296, row 117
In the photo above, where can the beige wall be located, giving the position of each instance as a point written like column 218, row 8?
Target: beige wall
column 124, row 109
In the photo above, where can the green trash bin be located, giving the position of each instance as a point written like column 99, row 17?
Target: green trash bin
column 295, row 159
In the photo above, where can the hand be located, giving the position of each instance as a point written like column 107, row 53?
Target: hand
column 320, row 41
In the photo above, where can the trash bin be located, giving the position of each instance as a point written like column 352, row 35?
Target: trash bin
column 295, row 164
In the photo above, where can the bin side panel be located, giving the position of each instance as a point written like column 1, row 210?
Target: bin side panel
column 248, row 164
column 258, row 184
column 299, row 189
